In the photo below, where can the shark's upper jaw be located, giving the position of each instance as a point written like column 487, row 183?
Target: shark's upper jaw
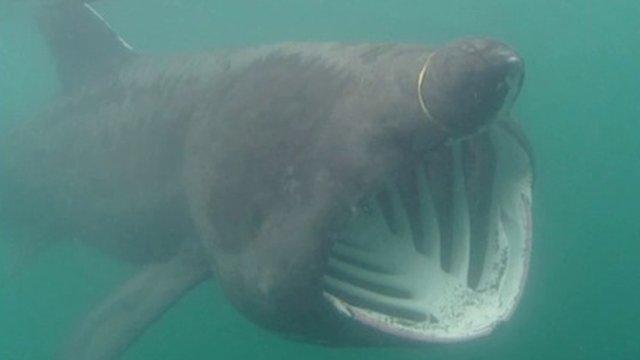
column 394, row 269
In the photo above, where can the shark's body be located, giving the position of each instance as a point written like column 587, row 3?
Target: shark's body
column 112, row 152
column 250, row 164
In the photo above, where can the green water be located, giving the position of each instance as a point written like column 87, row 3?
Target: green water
column 580, row 106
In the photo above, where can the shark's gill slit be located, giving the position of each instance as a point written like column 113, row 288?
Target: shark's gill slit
column 371, row 281
column 341, row 253
column 431, row 230
column 479, row 163
column 439, row 179
column 409, row 191
column 374, row 302
column 459, row 265
column 440, row 255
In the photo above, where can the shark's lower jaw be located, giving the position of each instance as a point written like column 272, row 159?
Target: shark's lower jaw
column 389, row 277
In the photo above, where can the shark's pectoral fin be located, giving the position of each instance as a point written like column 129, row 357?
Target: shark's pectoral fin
column 121, row 318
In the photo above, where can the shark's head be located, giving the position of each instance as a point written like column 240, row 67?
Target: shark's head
column 346, row 195
column 357, row 234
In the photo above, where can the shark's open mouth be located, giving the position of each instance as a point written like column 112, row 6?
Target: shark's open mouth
column 387, row 272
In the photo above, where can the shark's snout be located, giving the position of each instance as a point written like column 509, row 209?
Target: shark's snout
column 469, row 83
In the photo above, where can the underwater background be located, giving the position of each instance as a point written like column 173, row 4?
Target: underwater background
column 580, row 106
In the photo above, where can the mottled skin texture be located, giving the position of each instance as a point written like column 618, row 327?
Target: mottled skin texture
column 255, row 155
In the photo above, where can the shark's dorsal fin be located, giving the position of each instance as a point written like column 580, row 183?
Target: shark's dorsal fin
column 83, row 44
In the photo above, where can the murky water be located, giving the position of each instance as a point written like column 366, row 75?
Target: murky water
column 580, row 106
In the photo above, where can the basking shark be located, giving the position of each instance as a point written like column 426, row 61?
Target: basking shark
column 341, row 194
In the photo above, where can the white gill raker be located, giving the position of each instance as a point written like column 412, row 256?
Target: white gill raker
column 439, row 176
column 345, row 252
column 430, row 225
column 373, row 278
column 421, row 214
column 518, row 260
column 496, row 260
column 376, row 301
column 514, row 212
column 496, row 248
column 408, row 190
column 384, row 294
column 384, row 284
column 488, row 261
column 479, row 165
column 459, row 246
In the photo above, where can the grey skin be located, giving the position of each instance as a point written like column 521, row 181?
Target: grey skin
column 241, row 164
